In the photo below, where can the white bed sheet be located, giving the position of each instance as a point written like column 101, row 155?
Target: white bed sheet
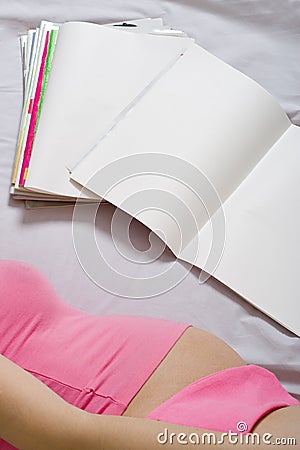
column 259, row 37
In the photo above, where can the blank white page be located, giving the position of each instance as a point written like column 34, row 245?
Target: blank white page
column 96, row 72
column 261, row 256
column 203, row 111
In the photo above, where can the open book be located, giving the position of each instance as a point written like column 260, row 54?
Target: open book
column 197, row 151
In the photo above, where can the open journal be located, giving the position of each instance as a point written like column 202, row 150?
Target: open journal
column 191, row 147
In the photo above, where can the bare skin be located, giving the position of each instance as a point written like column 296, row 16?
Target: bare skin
column 32, row 417
column 196, row 354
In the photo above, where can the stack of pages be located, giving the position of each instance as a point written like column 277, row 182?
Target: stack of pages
column 101, row 70
column 145, row 105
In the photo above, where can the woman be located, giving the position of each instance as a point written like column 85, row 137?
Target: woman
column 69, row 380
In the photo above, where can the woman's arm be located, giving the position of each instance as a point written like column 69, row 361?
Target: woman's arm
column 32, row 417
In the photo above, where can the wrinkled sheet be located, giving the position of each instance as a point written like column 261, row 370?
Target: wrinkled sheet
column 259, row 37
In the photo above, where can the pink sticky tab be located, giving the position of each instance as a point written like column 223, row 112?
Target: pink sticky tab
column 33, row 110
column 30, row 106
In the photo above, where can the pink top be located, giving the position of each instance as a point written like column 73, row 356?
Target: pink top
column 97, row 363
